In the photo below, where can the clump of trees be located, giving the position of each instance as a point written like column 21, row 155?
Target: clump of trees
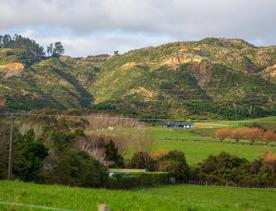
column 55, row 49
column 250, row 134
column 222, row 169
column 48, row 153
column 226, row 169
column 172, row 161
column 32, row 48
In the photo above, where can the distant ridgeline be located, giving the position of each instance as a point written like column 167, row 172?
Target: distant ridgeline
column 208, row 79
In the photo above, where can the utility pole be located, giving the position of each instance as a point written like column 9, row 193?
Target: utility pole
column 10, row 164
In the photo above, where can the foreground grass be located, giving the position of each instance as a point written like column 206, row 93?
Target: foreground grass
column 178, row 197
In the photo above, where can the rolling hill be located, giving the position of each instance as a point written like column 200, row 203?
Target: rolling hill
column 212, row 78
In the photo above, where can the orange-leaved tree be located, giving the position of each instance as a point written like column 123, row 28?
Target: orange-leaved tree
column 269, row 136
column 237, row 134
column 254, row 134
column 223, row 133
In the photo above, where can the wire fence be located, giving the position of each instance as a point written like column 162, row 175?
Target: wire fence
column 222, row 184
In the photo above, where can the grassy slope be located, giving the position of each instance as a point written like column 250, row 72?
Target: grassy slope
column 179, row 197
column 56, row 82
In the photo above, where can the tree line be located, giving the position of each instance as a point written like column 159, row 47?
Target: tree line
column 250, row 134
column 31, row 47
column 54, row 150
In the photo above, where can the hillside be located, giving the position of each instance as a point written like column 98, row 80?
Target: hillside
column 215, row 77
column 211, row 78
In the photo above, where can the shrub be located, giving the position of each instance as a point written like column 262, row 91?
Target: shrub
column 226, row 169
column 142, row 160
column 223, row 133
column 76, row 168
column 175, row 163
column 134, row 180
column 29, row 156
column 112, row 155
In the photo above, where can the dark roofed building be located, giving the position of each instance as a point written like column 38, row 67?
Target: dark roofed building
column 179, row 124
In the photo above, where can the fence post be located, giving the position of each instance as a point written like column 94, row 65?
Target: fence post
column 103, row 207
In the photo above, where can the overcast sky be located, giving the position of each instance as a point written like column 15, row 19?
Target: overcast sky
column 87, row 27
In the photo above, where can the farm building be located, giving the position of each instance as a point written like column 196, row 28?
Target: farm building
column 179, row 124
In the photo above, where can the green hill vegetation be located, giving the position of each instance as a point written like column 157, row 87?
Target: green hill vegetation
column 208, row 79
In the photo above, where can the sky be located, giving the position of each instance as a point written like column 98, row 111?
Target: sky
column 90, row 27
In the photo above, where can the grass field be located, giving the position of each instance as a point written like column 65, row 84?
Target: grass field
column 178, row 197
column 266, row 122
column 196, row 151
column 198, row 144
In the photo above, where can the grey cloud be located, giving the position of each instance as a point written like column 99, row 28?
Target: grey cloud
column 178, row 19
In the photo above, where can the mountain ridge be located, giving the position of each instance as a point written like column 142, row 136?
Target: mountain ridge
column 183, row 79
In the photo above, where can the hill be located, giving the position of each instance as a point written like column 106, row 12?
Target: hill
column 212, row 78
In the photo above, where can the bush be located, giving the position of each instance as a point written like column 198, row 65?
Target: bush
column 113, row 156
column 226, row 169
column 142, row 160
column 29, row 156
column 134, row 180
column 175, row 163
column 76, row 168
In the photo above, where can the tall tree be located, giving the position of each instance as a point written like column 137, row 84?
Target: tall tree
column 58, row 49
column 49, row 49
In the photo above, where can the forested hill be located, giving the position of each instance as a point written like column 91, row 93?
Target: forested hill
column 211, row 78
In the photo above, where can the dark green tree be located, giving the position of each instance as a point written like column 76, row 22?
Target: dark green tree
column 142, row 160
column 49, row 49
column 29, row 156
column 175, row 163
column 58, row 49
column 112, row 154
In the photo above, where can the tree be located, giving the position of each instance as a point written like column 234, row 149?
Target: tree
column 29, row 156
column 49, row 49
column 237, row 134
column 223, row 133
column 269, row 136
column 34, row 52
column 112, row 155
column 253, row 134
column 55, row 49
column 7, row 41
column 1, row 37
column 73, row 167
column 175, row 163
column 142, row 160
column 58, row 49
column 116, row 53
